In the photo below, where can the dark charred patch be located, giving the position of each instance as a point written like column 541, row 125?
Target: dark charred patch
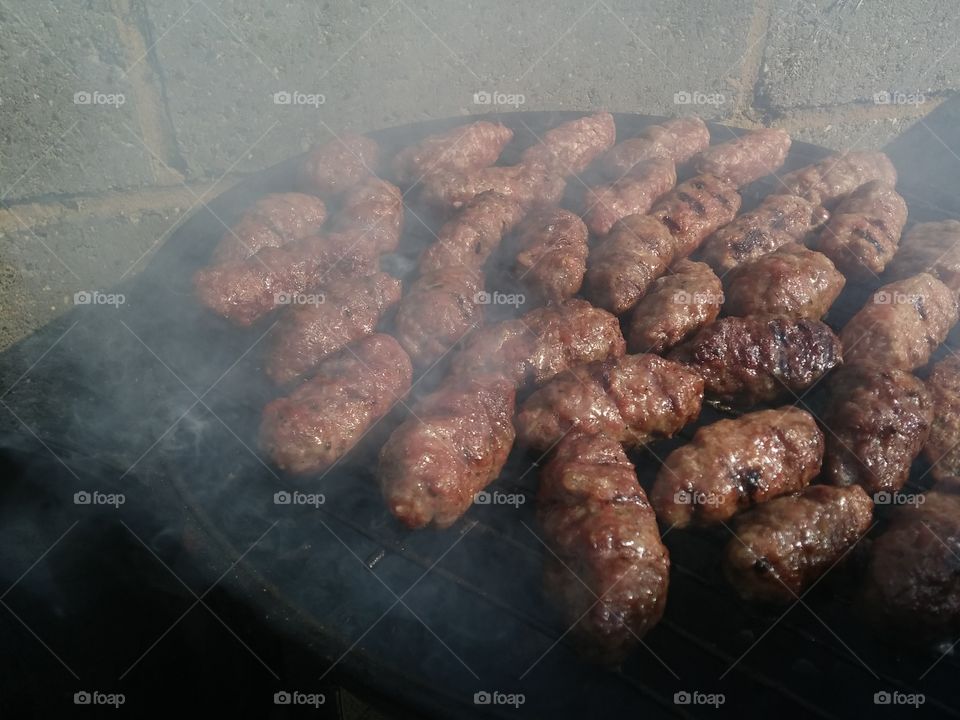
column 754, row 238
column 672, row 225
column 693, row 202
column 749, row 481
column 762, row 566
column 921, row 308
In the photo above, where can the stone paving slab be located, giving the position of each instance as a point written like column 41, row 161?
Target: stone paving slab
column 63, row 121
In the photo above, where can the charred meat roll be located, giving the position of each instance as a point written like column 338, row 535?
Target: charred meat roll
column 864, row 231
column 347, row 310
column 751, row 156
column 311, row 429
column 782, row 547
column 631, row 399
column 912, row 585
column 792, row 281
column 901, row 324
column 930, row 248
column 733, row 464
column 677, row 140
column 468, row 239
column 943, row 447
column 452, row 446
column 570, row 147
column 463, row 148
column 336, row 166
column 530, row 185
column 826, row 181
column 272, row 221
column 680, row 303
column 745, row 361
column 610, row 571
column 371, row 213
column 551, row 254
column 535, row 347
column 776, row 221
column 621, row 268
column 879, row 419
column 695, row 209
column 630, row 195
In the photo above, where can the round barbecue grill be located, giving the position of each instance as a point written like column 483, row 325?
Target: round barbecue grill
column 447, row 623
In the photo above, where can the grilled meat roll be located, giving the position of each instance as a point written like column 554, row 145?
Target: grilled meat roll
column 695, row 209
column 633, row 194
column 461, row 149
column 943, row 446
column 530, row 185
column 272, row 221
column 826, row 181
column 311, row 429
column 631, row 399
column 551, row 254
column 610, row 571
column 933, row 248
column 338, row 165
column 733, row 464
column 571, row 146
column 782, row 547
column 677, row 140
column 452, row 446
column 751, row 156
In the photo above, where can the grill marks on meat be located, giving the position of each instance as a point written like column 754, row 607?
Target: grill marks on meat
column 778, row 220
column 272, row 221
column 783, row 546
column 454, row 444
column 570, row 147
column 338, row 165
column 542, row 343
column 758, row 359
column 824, row 182
column 695, row 209
column 792, row 281
column 631, row 399
column 551, row 254
column 633, row 194
column 943, row 448
column 306, row 334
column 749, row 157
column 677, row 306
column 864, row 232
column 931, row 248
column 611, row 570
column 879, row 419
column 624, row 265
column 733, row 464
column 676, row 140
column 901, row 324
column 912, row 585
column 461, row 149
column 309, row 430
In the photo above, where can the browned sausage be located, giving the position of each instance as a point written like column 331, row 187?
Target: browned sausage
column 570, row 147
column 272, row 221
column 677, row 140
column 942, row 450
column 551, row 254
column 695, row 209
column 826, row 181
column 336, row 166
column 751, row 156
column 463, row 148
column 931, row 248
column 530, row 185
column 630, row 195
